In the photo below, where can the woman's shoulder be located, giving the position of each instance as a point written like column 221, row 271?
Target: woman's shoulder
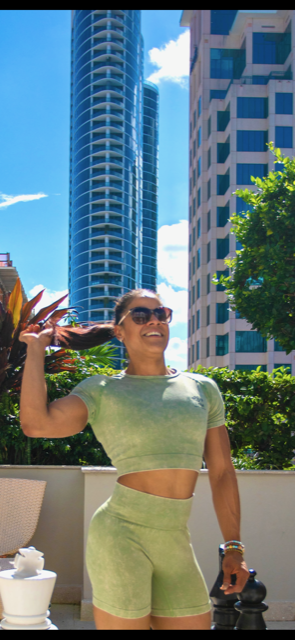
column 205, row 381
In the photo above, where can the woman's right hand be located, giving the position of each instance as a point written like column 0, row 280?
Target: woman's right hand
column 34, row 336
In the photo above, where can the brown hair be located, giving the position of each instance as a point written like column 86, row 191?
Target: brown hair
column 79, row 338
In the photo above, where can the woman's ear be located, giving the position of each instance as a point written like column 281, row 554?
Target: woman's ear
column 117, row 333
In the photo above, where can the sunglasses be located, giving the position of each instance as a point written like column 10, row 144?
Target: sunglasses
column 142, row 315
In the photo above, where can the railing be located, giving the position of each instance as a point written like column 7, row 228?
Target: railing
column 5, row 260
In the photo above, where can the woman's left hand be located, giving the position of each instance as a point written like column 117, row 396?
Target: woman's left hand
column 234, row 563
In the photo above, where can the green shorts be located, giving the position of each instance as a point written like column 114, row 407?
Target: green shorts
column 140, row 559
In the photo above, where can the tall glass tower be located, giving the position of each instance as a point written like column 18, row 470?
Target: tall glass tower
column 110, row 214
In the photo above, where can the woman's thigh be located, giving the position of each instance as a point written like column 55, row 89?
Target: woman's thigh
column 188, row 623
column 105, row 622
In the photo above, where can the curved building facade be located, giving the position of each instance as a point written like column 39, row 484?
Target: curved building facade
column 150, row 185
column 105, row 236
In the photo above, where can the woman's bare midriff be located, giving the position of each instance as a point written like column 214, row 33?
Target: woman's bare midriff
column 178, row 484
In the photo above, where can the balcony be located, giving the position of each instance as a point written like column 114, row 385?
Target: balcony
column 74, row 493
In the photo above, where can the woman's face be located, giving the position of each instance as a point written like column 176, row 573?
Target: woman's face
column 145, row 339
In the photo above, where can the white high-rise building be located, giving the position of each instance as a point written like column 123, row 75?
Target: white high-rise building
column 241, row 98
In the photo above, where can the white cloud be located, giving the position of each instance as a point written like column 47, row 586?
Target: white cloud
column 172, row 60
column 176, row 354
column 9, row 200
column 173, row 254
column 49, row 297
column 176, row 300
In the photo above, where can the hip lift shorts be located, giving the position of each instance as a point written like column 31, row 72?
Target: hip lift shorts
column 140, row 559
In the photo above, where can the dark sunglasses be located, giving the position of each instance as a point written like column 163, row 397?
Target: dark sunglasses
column 142, row 315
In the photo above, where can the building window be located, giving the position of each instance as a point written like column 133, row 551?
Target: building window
column 199, row 167
column 222, row 21
column 189, row 356
column 284, row 103
column 194, row 206
column 250, row 342
column 200, row 106
column 190, row 241
column 198, row 289
column 252, row 108
column 194, row 294
column 225, row 273
column 284, row 137
column 223, row 118
column 252, row 140
column 222, row 216
column 242, row 207
column 227, row 63
column 190, row 187
column 208, row 252
column 271, row 48
column 199, row 228
column 198, row 350
column 198, row 319
column 194, row 236
column 193, row 324
column 200, row 136
column 223, row 151
column 209, row 189
column 208, row 315
column 217, row 94
column 193, row 353
column 222, row 312
column 195, row 177
column 209, row 157
column 278, row 346
column 199, row 258
column 222, row 248
column 190, row 271
column 246, row 171
column 189, row 328
column 199, row 197
column 208, row 283
column 209, row 127
column 223, row 183
column 194, row 265
column 195, row 148
column 190, row 214
column 222, row 345
column 208, row 348
column 195, row 119
column 208, row 220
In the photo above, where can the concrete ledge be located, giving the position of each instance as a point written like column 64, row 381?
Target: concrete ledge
column 280, row 611
column 86, row 611
column 67, row 594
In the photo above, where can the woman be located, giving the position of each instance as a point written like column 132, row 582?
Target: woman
column 155, row 424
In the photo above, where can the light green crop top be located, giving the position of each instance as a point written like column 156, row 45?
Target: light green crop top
column 152, row 422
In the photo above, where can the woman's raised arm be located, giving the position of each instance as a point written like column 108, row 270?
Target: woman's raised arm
column 64, row 417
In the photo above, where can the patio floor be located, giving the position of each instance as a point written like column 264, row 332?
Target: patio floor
column 67, row 616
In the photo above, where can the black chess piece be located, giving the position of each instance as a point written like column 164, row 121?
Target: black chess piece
column 225, row 615
column 250, row 605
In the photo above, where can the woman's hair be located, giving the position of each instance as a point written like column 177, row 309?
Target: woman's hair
column 79, row 338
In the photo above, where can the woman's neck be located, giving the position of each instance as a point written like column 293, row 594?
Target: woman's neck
column 147, row 368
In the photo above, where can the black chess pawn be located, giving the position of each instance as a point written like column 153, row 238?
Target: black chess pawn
column 250, row 606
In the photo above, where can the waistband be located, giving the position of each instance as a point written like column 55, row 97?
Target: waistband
column 148, row 510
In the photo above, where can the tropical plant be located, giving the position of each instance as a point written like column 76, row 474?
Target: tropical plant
column 16, row 317
column 262, row 281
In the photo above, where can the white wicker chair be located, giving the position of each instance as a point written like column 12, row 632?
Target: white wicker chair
column 20, row 506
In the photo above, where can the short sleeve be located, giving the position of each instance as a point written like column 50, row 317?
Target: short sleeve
column 216, row 416
column 89, row 390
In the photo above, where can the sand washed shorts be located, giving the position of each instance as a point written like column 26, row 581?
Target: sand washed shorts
column 140, row 559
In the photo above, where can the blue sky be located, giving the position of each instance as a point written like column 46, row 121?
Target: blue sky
column 34, row 155
column 34, row 152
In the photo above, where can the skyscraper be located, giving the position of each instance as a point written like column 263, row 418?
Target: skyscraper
column 241, row 97
column 113, row 163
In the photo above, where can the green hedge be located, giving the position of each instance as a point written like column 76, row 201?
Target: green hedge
column 260, row 419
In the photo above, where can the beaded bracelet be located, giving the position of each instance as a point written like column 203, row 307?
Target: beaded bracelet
column 234, row 544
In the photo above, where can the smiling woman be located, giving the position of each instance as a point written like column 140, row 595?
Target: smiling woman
column 155, row 423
